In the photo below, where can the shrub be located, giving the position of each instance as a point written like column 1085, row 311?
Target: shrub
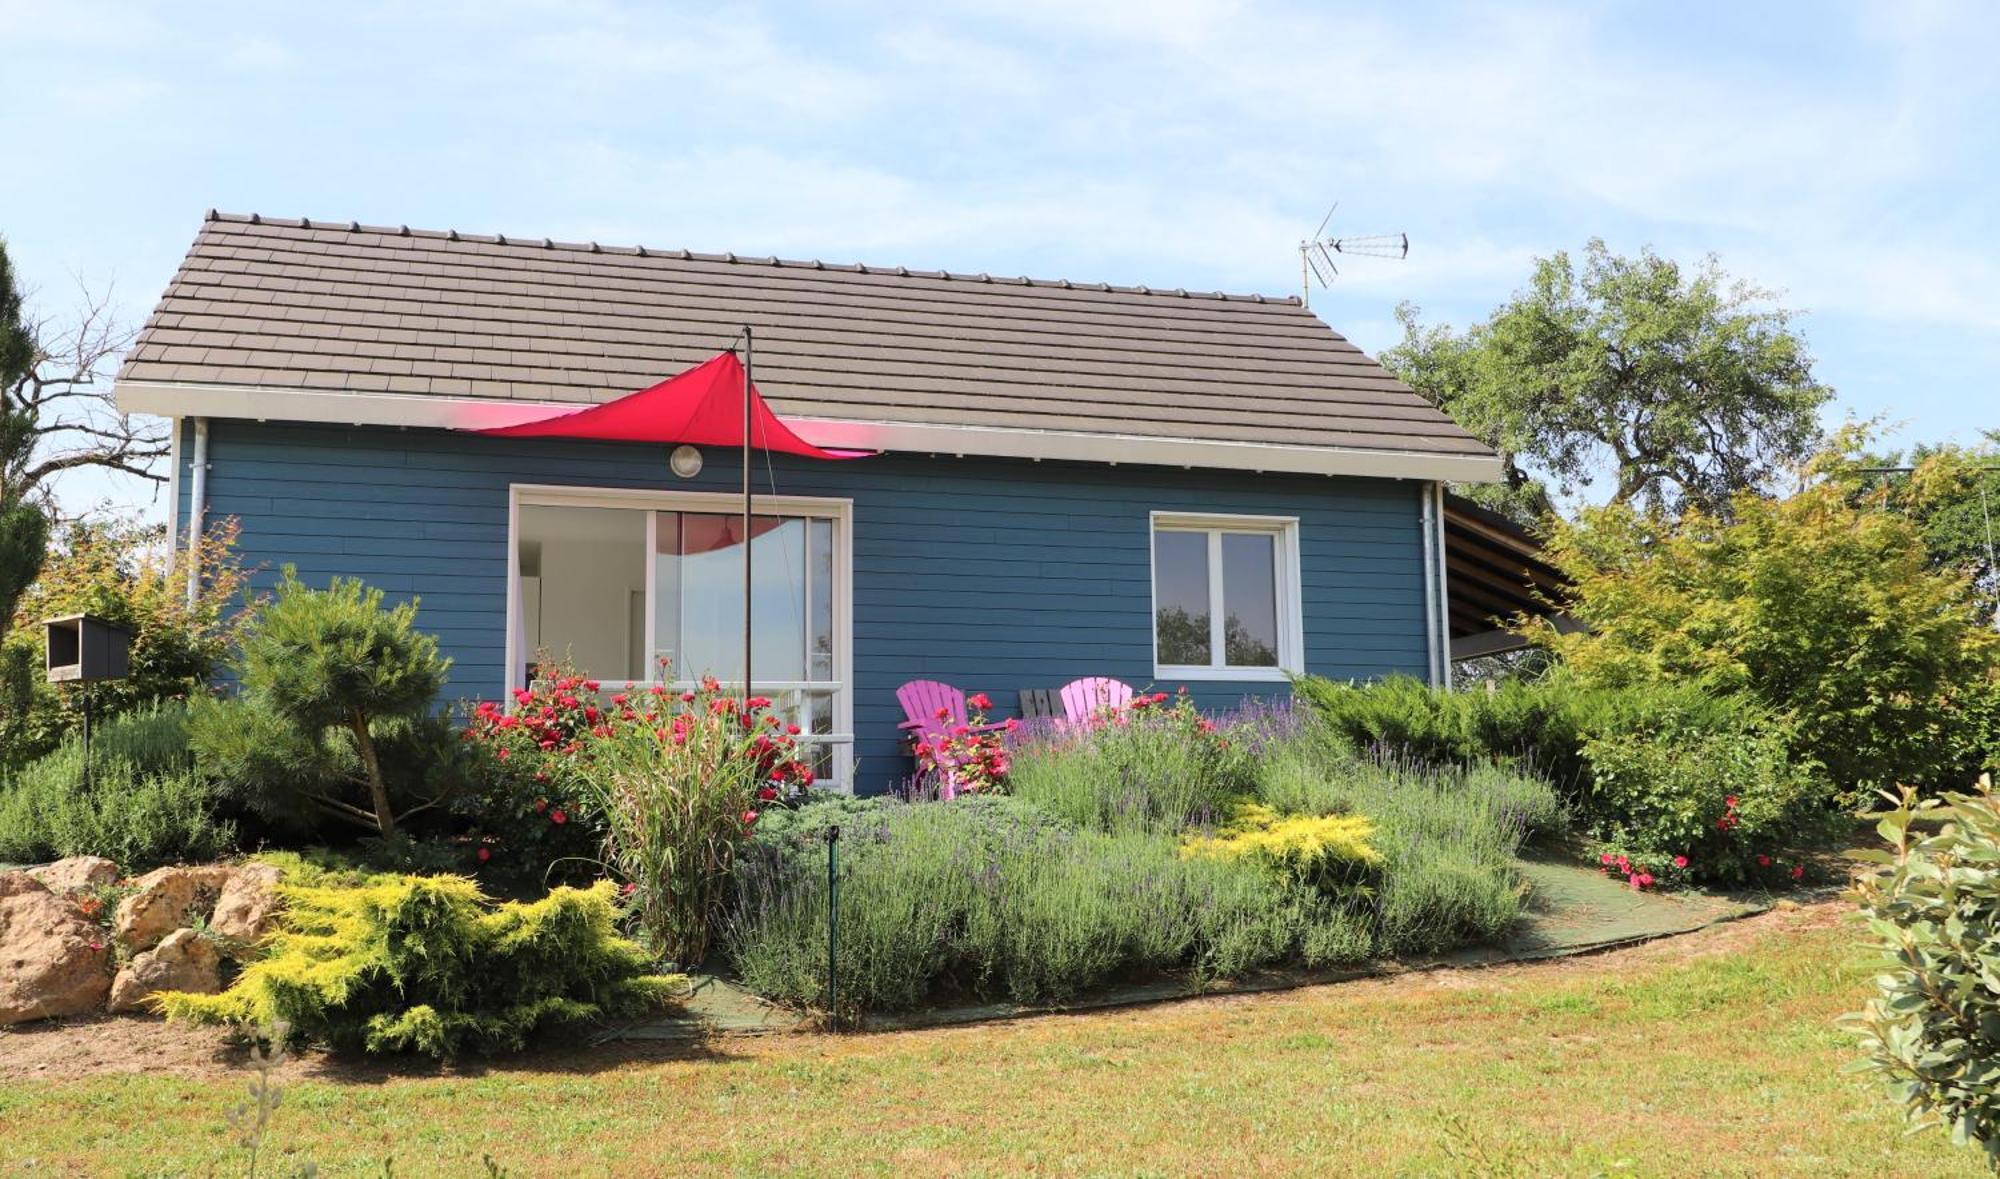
column 1153, row 767
column 1448, row 838
column 529, row 809
column 332, row 682
column 1933, row 1029
column 1330, row 853
column 971, row 758
column 427, row 964
column 145, row 804
column 1676, row 795
column 993, row 897
column 1820, row 609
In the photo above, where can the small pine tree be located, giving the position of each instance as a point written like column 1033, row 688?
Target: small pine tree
column 24, row 526
column 336, row 660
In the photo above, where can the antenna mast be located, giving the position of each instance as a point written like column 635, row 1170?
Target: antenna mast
column 1316, row 253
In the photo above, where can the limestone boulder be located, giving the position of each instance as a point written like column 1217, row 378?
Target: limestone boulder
column 249, row 902
column 164, row 900
column 183, row 961
column 76, row 873
column 52, row 960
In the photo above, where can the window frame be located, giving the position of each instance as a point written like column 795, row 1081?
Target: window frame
column 839, row 510
column 1287, row 583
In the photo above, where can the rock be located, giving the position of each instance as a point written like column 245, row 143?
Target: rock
column 183, row 961
column 165, row 899
column 248, row 902
column 76, row 873
column 52, row 961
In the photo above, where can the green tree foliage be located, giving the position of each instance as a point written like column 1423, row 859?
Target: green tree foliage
column 123, row 572
column 1687, row 386
column 1951, row 492
column 1932, row 1031
column 24, row 525
column 1830, row 615
column 330, row 678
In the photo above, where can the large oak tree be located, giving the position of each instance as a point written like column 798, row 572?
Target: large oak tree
column 1678, row 387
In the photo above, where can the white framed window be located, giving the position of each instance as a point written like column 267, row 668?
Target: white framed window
column 1226, row 600
column 642, row 587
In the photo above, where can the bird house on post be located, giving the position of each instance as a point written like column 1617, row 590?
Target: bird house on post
column 84, row 649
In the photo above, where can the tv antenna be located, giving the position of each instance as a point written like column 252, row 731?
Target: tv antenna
column 1316, row 253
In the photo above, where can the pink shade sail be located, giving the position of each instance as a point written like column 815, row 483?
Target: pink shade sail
column 701, row 407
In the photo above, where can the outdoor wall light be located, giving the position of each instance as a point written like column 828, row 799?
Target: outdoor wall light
column 685, row 461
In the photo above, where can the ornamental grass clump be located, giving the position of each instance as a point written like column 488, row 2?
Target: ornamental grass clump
column 427, row 964
column 1152, row 766
column 678, row 785
column 1932, row 1031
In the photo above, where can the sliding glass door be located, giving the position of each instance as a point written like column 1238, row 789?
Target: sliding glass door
column 634, row 594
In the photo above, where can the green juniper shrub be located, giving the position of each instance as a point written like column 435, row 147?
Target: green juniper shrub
column 427, row 964
column 1932, row 1030
column 145, row 804
column 1153, row 766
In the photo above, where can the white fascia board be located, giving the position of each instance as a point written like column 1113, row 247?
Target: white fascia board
column 463, row 413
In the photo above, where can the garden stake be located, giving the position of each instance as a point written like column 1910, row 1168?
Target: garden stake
column 832, row 926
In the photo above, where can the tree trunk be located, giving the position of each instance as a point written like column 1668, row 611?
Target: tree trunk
column 378, row 790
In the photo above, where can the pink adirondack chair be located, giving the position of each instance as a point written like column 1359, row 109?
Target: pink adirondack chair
column 1087, row 700
column 933, row 711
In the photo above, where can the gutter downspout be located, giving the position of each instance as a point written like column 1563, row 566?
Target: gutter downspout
column 1431, row 588
column 1443, row 619
column 197, row 503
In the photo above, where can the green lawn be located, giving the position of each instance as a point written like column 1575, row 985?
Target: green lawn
column 1710, row 1055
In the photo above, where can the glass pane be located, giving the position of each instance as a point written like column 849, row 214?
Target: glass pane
column 1250, row 599
column 710, row 576
column 819, row 620
column 1180, row 597
column 820, row 706
column 667, row 594
column 583, row 585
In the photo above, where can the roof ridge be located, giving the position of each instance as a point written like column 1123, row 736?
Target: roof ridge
column 686, row 255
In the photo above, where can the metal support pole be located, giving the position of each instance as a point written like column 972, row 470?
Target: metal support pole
column 86, row 693
column 833, row 927
column 749, row 359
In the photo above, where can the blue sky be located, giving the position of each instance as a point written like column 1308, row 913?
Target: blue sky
column 1845, row 155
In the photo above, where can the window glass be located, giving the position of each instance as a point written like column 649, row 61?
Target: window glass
column 1250, row 599
column 1180, row 598
column 819, row 622
column 705, row 565
column 583, row 586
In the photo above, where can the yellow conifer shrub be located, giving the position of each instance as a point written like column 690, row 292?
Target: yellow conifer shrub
column 1329, row 852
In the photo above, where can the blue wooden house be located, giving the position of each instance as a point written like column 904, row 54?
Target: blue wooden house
column 1073, row 479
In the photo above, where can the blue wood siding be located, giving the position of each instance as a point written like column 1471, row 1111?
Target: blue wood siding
column 987, row 573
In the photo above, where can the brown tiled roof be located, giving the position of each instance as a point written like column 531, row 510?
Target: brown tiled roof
column 338, row 306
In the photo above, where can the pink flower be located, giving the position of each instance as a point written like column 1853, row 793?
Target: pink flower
column 1013, row 725
column 629, row 888
column 749, row 817
column 1606, row 858
column 1644, row 880
column 980, row 700
column 1730, row 802
column 590, row 685
column 1798, row 871
column 1680, row 861
column 501, row 753
column 558, row 816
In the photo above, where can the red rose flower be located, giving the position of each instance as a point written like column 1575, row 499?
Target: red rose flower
column 558, row 816
column 1763, row 861
column 484, row 854
column 1680, row 861
column 980, row 700
column 749, row 817
column 768, row 793
column 943, row 713
column 1798, row 871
